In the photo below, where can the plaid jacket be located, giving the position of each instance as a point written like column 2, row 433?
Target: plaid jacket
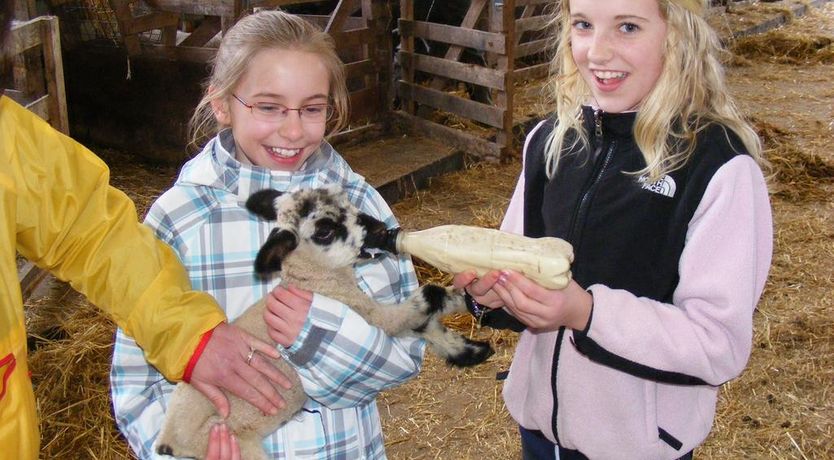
column 203, row 218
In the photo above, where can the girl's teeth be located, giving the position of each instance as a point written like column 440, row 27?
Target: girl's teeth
column 286, row 153
column 609, row 75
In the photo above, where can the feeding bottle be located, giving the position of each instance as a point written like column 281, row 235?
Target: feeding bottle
column 459, row 248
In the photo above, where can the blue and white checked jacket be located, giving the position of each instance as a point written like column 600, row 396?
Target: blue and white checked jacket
column 203, row 218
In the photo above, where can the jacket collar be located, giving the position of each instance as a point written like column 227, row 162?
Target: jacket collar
column 216, row 167
column 613, row 124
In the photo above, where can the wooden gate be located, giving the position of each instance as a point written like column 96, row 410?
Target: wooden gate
column 512, row 37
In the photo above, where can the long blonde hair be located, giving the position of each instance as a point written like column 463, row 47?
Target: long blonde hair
column 689, row 95
column 266, row 29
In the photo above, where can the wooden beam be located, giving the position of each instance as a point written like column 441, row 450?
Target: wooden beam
column 343, row 10
column 472, row 145
column 456, row 36
column 363, row 104
column 406, row 46
column 532, row 23
column 470, row 73
column 531, row 47
column 492, row 116
column 30, row 277
column 207, row 30
column 532, row 72
column 360, row 68
column 54, row 72
column 24, row 36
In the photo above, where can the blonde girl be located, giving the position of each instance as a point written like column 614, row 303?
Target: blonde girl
column 649, row 170
column 276, row 89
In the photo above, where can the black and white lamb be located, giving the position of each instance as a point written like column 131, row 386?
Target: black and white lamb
column 318, row 237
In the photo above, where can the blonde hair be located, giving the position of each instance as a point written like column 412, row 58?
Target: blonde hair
column 267, row 29
column 689, row 95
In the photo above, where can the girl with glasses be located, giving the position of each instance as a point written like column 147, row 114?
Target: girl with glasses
column 275, row 91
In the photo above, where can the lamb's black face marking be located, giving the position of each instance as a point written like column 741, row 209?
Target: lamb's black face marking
column 328, row 231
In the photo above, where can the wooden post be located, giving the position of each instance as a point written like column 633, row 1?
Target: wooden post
column 382, row 53
column 407, row 49
column 504, row 21
column 54, row 72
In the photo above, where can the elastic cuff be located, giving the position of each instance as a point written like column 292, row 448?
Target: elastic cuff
column 477, row 310
column 192, row 363
column 587, row 328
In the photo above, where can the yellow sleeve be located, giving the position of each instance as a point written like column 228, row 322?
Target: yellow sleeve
column 71, row 222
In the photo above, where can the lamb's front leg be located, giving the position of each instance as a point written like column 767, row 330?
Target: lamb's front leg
column 421, row 315
column 412, row 314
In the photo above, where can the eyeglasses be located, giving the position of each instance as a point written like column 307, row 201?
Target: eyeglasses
column 272, row 112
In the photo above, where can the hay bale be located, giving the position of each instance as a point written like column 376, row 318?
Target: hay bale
column 782, row 47
column 795, row 175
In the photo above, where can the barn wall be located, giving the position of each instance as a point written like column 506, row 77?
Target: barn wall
column 146, row 114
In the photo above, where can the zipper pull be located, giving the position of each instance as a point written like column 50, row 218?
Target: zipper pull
column 598, row 124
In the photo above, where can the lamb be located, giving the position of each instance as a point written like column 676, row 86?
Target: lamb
column 318, row 236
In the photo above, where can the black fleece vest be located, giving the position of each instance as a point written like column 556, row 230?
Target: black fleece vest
column 626, row 233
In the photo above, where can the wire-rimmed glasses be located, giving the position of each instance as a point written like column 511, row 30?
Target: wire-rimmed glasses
column 273, row 112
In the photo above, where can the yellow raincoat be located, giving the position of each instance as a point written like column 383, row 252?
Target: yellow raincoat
column 57, row 210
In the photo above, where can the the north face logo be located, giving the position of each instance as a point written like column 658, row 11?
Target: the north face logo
column 665, row 186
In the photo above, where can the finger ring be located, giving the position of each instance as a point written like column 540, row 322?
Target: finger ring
column 249, row 356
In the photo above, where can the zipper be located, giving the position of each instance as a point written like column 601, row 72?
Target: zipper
column 575, row 237
column 600, row 167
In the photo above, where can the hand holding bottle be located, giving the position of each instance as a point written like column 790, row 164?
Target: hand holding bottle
column 537, row 307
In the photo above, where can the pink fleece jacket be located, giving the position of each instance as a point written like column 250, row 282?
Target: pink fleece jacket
column 706, row 332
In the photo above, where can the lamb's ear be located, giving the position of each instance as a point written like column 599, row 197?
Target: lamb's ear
column 280, row 243
column 262, row 203
column 376, row 233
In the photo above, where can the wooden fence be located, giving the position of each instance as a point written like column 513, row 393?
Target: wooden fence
column 512, row 37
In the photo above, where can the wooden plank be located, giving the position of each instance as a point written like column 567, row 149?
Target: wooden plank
column 468, row 38
column 358, row 135
column 156, row 20
column 30, row 277
column 24, row 36
column 480, row 148
column 470, row 73
column 40, row 107
column 207, row 30
column 322, row 20
column 532, row 73
column 531, row 47
column 492, row 116
column 407, row 46
column 343, row 10
column 529, row 24
column 470, row 20
column 54, row 71
column 197, row 7
column 349, row 38
column 381, row 49
column 179, row 53
column 363, row 104
column 360, row 68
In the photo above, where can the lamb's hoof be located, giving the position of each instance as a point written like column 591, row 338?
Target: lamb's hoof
column 473, row 353
column 165, row 449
